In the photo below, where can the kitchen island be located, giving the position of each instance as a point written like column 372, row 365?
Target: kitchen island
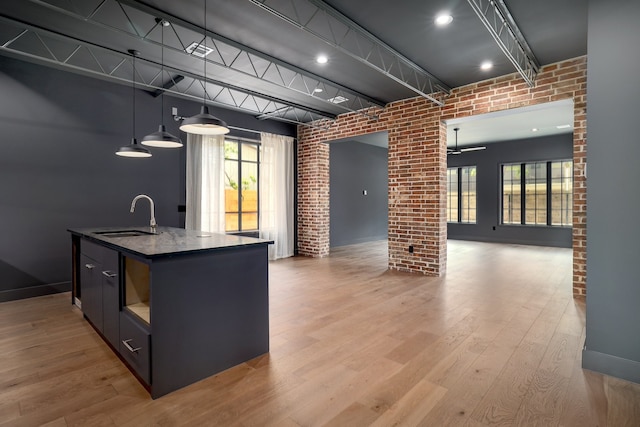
column 176, row 305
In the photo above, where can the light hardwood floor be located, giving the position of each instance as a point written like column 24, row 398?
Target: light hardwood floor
column 497, row 341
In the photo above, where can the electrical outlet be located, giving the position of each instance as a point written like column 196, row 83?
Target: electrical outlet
column 410, row 249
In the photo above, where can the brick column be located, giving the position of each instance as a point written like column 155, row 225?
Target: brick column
column 417, row 188
column 313, row 198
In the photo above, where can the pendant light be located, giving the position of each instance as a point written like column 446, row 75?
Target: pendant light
column 162, row 138
column 455, row 151
column 463, row 149
column 204, row 123
column 134, row 149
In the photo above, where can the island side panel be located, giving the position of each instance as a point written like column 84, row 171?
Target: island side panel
column 209, row 312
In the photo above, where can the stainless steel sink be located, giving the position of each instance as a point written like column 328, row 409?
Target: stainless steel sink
column 124, row 233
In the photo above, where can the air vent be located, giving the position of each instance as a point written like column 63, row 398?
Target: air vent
column 337, row 99
column 199, row 50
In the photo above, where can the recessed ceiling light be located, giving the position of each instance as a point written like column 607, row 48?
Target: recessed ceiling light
column 486, row 65
column 337, row 99
column 322, row 59
column 199, row 50
column 534, row 130
column 317, row 90
column 443, row 19
column 563, row 126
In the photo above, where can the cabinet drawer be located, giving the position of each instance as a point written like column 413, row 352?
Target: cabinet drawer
column 91, row 249
column 135, row 346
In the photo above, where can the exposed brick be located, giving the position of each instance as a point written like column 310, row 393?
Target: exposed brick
column 417, row 165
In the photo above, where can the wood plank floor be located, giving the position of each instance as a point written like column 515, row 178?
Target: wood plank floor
column 497, row 341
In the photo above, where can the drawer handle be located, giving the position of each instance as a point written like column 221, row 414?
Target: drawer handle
column 90, row 266
column 131, row 349
column 109, row 274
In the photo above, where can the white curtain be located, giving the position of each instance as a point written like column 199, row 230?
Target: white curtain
column 205, row 183
column 276, row 193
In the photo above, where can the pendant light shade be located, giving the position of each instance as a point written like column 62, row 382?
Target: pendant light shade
column 134, row 149
column 161, row 139
column 204, row 124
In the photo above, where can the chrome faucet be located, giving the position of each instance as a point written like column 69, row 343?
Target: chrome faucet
column 152, row 223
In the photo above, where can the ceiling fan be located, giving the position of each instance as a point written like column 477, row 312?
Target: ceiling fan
column 461, row 150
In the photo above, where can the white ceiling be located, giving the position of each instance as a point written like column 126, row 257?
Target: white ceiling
column 506, row 125
column 517, row 123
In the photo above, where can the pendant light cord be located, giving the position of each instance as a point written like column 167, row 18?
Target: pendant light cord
column 133, row 87
column 162, row 71
column 456, row 130
column 204, row 58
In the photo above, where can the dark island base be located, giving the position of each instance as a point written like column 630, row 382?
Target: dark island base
column 209, row 313
column 209, row 309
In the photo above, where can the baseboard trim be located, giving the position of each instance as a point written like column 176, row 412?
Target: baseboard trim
column 611, row 365
column 359, row 241
column 34, row 291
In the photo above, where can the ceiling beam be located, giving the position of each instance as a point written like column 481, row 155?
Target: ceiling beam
column 498, row 21
column 60, row 51
column 236, row 57
column 168, row 85
column 331, row 26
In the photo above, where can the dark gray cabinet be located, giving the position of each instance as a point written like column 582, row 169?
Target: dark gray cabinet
column 135, row 346
column 110, row 296
column 100, row 292
column 176, row 319
column 91, row 290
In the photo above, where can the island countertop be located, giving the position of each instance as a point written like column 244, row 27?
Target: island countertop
column 165, row 241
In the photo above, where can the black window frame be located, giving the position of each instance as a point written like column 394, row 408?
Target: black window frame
column 523, row 203
column 459, row 182
column 240, row 161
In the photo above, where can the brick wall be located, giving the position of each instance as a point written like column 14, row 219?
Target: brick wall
column 418, row 161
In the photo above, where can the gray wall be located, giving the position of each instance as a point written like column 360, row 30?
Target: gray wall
column 487, row 227
column 354, row 217
column 613, row 198
column 58, row 135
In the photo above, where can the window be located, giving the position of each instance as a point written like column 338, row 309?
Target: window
column 547, row 188
column 241, row 163
column 461, row 194
column 535, row 206
column 562, row 193
column 452, row 195
column 511, row 200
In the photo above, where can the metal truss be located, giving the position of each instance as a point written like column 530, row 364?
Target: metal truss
column 44, row 46
column 283, row 114
column 498, row 20
column 318, row 18
column 135, row 19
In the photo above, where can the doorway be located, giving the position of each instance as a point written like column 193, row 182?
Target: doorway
column 359, row 198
